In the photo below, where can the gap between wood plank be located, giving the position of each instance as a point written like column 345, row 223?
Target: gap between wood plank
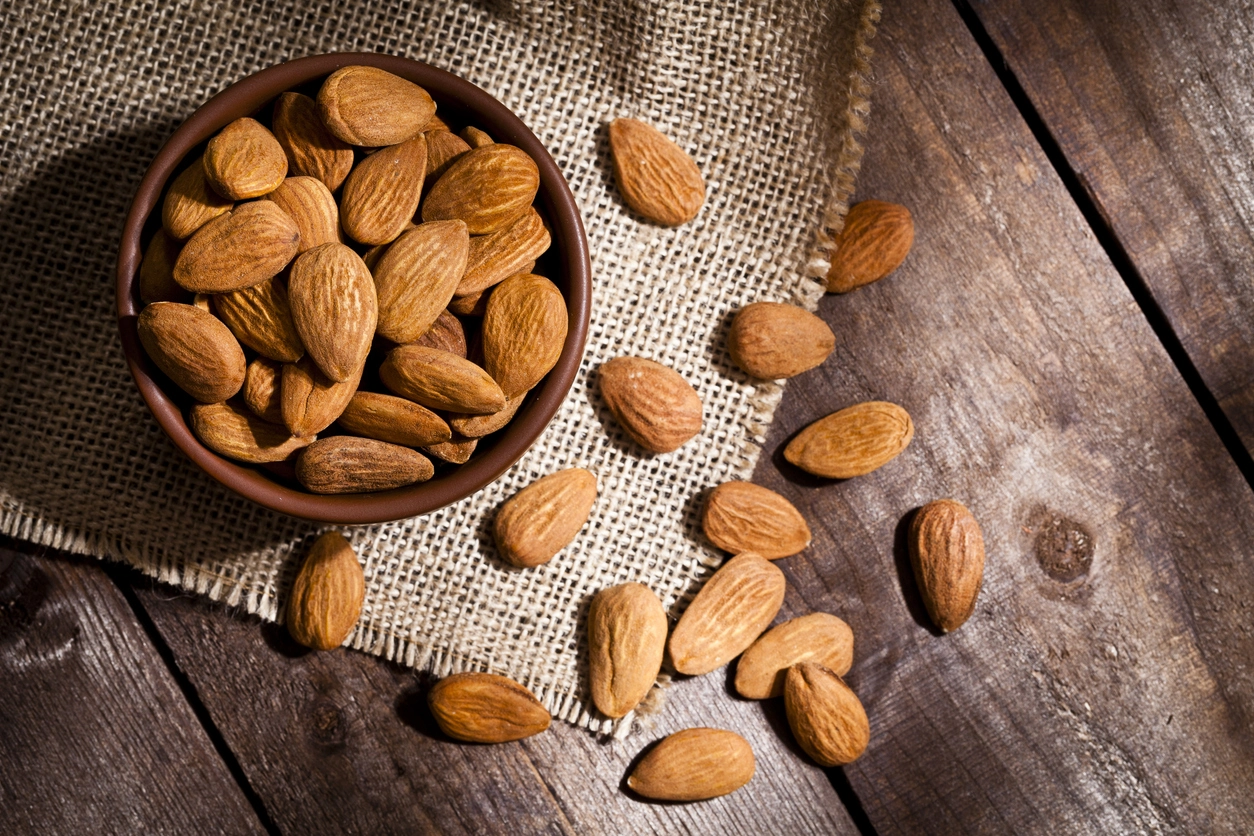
column 1110, row 242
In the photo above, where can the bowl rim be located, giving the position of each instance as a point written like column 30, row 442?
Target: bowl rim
column 570, row 244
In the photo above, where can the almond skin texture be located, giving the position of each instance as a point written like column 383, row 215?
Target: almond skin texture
column 825, row 715
column 456, row 451
column 263, row 389
column 440, row 380
column 443, row 148
column 394, row 420
column 310, row 401
column 372, row 107
column 242, row 248
column 381, row 194
column 540, row 520
column 475, row 137
column 312, row 150
column 446, row 334
column 874, row 242
column 346, row 464
column 230, row 430
column 626, row 641
column 817, row 637
column 416, row 277
column 244, row 160
column 744, row 517
column 524, row 331
column 477, row 426
column 309, row 203
column 693, row 765
column 947, row 552
column 476, row 304
column 194, row 349
column 853, row 441
column 655, row 177
column 326, row 597
column 771, row 340
column 652, row 403
column 334, row 307
column 733, row 608
column 494, row 258
column 156, row 271
column 486, row 708
column 261, row 318
column 190, row 203
column 488, row 188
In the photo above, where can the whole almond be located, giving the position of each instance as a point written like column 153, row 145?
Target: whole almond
column 347, row 464
column 310, row 401
column 476, row 304
column 486, row 187
column 311, row 149
column 524, row 332
column 494, row 258
column 457, row 450
column 771, row 340
column 655, row 177
column 652, row 403
column 190, row 203
column 693, row 765
column 443, row 148
column 233, row 431
column 242, row 248
column 440, row 380
column 263, row 389
column 543, row 518
column 626, row 642
column 261, row 318
column 309, row 203
column 446, row 334
column 475, row 137
column 156, row 271
column 736, row 604
column 394, row 420
column 947, row 552
column 825, row 715
column 416, row 277
column 381, row 194
column 334, row 307
column 477, row 426
column 817, row 637
column 486, row 708
column 852, row 442
column 744, row 517
column 372, row 107
column 326, row 597
column 875, row 240
column 194, row 349
column 244, row 160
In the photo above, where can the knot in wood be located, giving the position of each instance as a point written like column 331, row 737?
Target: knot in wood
column 1064, row 549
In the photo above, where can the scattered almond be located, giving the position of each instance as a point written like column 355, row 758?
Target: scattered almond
column 261, row 318
column 771, row 340
column 242, row 248
column 853, row 441
column 394, row 420
column 652, row 403
column 372, row 107
column 311, row 149
column 416, row 278
column 334, row 307
column 244, row 160
column 874, row 242
column 817, row 637
column 693, row 765
column 655, row 177
column 544, row 517
column 825, row 715
column 486, row 708
column 744, row 517
column 947, row 552
column 626, row 641
column 486, row 187
column 194, row 349
column 347, row 464
column 237, row 433
column 326, row 597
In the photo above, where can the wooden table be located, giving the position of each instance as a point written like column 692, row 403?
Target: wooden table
column 1074, row 336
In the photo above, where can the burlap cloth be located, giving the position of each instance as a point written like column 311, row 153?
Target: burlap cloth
column 768, row 98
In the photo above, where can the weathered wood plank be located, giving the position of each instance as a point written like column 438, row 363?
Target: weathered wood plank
column 95, row 737
column 1152, row 105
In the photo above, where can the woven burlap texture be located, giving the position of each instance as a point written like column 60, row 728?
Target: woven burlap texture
column 767, row 97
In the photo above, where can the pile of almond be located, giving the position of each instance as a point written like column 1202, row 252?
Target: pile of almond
column 349, row 290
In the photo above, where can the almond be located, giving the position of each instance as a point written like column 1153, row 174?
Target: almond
column 543, row 518
column 372, row 107
column 440, row 380
column 311, row 401
column 852, row 442
column 156, row 271
column 311, row 149
column 232, row 431
column 626, row 641
column 381, row 194
column 486, row 187
column 334, row 308
column 524, row 332
column 326, row 597
column 474, row 137
column 947, row 552
column 874, row 242
column 446, row 334
column 437, row 124
column 261, row 318
column 744, row 517
column 416, row 277
column 655, row 177
column 486, row 708
column 190, row 203
column 309, row 203
column 242, row 248
column 458, row 450
column 693, row 765
column 346, row 464
column 825, row 715
column 263, row 389
column 443, row 148
column 394, row 420
column 771, row 340
column 244, row 160
column 512, row 250
column 817, row 637
column 476, row 304
column 736, row 604
column 652, row 403
column 194, row 349
column 477, row 426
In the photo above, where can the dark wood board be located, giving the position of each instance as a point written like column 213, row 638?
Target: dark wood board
column 1152, row 105
column 95, row 736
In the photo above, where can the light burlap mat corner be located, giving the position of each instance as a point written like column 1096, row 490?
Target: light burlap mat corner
column 767, row 96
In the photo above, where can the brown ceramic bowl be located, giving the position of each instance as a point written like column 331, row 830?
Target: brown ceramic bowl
column 566, row 264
